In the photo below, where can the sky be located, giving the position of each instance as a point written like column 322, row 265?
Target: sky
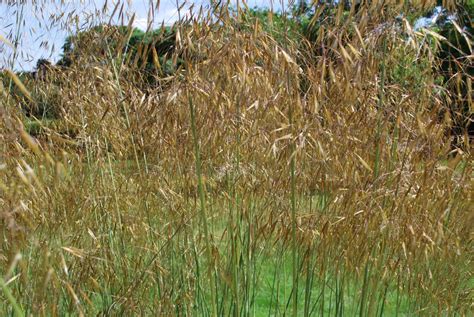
column 45, row 24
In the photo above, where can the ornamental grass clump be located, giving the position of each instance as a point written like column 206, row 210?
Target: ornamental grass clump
column 307, row 176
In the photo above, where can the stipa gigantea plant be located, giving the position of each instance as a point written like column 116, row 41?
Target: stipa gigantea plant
column 202, row 200
column 317, row 181
column 16, row 308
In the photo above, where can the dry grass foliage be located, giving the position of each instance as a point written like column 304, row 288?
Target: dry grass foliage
column 103, row 205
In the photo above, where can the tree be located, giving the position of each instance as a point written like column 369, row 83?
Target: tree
column 43, row 65
column 457, row 68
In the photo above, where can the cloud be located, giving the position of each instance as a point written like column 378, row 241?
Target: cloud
column 141, row 23
column 167, row 17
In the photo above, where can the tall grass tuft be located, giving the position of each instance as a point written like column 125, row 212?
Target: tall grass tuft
column 236, row 164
